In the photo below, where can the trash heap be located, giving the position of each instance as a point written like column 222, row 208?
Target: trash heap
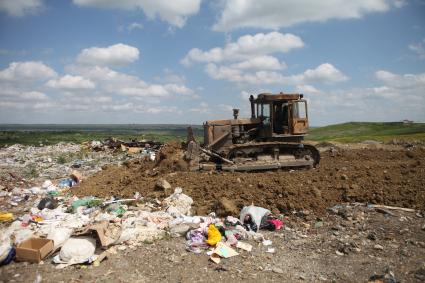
column 146, row 147
column 24, row 167
column 69, row 230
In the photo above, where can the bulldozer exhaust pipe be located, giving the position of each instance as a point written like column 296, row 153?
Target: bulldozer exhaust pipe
column 235, row 113
column 251, row 99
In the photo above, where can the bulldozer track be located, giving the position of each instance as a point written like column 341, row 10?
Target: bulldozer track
column 283, row 146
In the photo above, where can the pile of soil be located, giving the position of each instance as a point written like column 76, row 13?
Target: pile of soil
column 380, row 176
column 170, row 158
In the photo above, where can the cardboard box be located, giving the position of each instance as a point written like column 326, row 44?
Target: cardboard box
column 76, row 176
column 134, row 150
column 34, row 249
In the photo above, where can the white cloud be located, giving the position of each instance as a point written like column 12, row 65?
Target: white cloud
column 396, row 97
column 173, row 12
column 134, row 26
column 131, row 27
column 384, row 75
column 160, row 109
column 151, row 90
column 155, row 90
column 118, row 107
column 418, row 48
column 69, row 82
column 307, row 89
column 103, row 74
column 113, row 82
column 202, row 108
column 246, row 47
column 117, row 54
column 28, row 70
column 274, row 14
column 170, row 76
column 402, row 81
column 33, row 95
column 265, row 62
column 19, row 8
column 16, row 95
column 325, row 73
column 87, row 88
column 248, row 60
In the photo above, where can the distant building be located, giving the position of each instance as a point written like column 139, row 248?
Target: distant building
column 407, row 122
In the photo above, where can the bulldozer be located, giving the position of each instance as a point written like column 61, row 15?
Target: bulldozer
column 271, row 139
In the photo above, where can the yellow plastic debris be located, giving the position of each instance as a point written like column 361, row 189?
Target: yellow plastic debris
column 214, row 235
column 6, row 216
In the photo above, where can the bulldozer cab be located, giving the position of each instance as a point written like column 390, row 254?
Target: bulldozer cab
column 281, row 114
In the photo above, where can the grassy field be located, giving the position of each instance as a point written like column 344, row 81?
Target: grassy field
column 361, row 131
column 51, row 134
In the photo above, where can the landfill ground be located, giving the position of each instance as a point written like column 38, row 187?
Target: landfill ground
column 390, row 175
column 351, row 242
column 350, row 248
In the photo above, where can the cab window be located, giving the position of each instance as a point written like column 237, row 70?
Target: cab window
column 299, row 110
column 265, row 113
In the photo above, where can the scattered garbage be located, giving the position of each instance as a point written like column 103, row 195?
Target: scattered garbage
column 387, row 277
column 47, row 202
column 222, row 250
column 48, row 186
column 244, row 246
column 6, row 216
column 270, row 250
column 67, row 183
column 196, row 241
column 130, row 146
column 57, row 221
column 214, row 235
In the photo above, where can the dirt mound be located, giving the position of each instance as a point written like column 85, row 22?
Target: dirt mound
column 170, row 158
column 390, row 177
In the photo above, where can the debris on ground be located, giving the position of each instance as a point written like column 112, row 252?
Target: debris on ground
column 295, row 226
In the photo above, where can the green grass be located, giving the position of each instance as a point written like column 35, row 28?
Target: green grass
column 52, row 134
column 361, row 131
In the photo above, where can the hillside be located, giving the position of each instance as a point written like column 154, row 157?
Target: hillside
column 361, row 131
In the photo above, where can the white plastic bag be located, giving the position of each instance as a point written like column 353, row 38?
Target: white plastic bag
column 76, row 250
column 178, row 204
column 5, row 247
column 256, row 213
column 22, row 234
column 59, row 236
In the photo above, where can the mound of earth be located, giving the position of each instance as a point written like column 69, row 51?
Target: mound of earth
column 170, row 158
column 380, row 176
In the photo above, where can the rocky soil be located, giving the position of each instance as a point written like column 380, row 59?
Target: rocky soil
column 392, row 176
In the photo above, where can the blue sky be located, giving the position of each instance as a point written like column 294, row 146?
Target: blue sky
column 141, row 61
